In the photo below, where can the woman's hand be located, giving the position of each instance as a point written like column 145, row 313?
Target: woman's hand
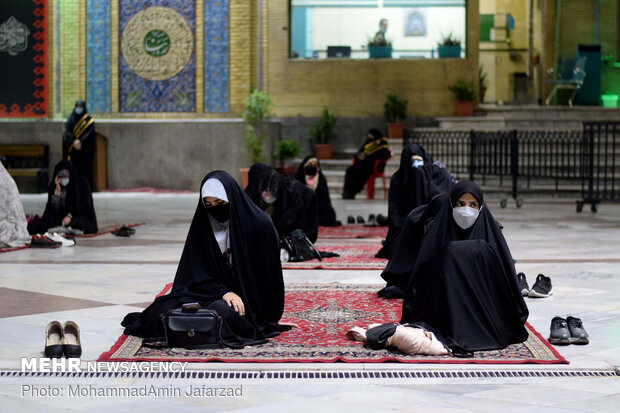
column 57, row 182
column 77, row 144
column 234, row 301
column 66, row 220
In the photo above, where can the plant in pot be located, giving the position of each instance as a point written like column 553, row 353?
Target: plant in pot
column 395, row 110
column 286, row 149
column 379, row 48
column 449, row 46
column 465, row 95
column 321, row 133
column 257, row 110
column 482, row 83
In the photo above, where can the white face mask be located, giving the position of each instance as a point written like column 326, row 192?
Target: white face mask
column 63, row 181
column 465, row 216
column 79, row 110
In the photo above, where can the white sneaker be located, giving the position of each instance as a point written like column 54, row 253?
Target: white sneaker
column 59, row 238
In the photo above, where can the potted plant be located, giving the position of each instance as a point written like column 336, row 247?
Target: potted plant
column 395, row 114
column 321, row 133
column 379, row 49
column 449, row 46
column 465, row 97
column 482, row 83
column 286, row 149
column 257, row 110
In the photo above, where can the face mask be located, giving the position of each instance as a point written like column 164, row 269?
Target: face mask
column 465, row 216
column 267, row 197
column 220, row 212
column 417, row 164
column 63, row 181
column 79, row 110
column 310, row 170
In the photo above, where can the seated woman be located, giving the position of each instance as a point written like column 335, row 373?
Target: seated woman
column 69, row 203
column 230, row 263
column 374, row 148
column 417, row 180
column 290, row 204
column 309, row 173
column 13, row 225
column 455, row 271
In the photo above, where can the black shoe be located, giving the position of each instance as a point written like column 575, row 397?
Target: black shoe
column 578, row 334
column 360, row 219
column 53, row 340
column 525, row 289
column 72, row 344
column 348, row 195
column 372, row 221
column 124, row 232
column 350, row 219
column 542, row 287
column 559, row 333
column 382, row 220
column 42, row 241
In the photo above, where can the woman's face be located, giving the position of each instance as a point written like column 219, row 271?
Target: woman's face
column 467, row 199
column 213, row 201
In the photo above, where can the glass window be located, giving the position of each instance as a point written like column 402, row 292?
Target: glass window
column 362, row 29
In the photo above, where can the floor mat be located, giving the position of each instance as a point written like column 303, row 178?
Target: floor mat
column 108, row 228
column 324, row 313
column 354, row 255
column 352, row 231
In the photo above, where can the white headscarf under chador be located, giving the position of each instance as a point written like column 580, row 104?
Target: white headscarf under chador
column 213, row 187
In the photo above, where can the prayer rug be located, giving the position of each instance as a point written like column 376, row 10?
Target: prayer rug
column 354, row 255
column 324, row 313
column 108, row 228
column 14, row 249
column 352, row 232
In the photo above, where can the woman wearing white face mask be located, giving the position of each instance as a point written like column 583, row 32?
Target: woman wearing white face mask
column 455, row 272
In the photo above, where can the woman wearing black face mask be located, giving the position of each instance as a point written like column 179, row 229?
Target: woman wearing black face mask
column 454, row 269
column 309, row 173
column 230, row 263
column 79, row 140
column 69, row 203
column 416, row 182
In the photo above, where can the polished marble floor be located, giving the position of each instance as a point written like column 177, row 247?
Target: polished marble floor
column 101, row 279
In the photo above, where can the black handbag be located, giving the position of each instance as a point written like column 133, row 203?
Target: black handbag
column 299, row 247
column 193, row 328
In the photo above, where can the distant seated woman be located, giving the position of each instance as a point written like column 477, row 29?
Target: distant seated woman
column 309, row 173
column 416, row 182
column 290, row 204
column 13, row 230
column 69, row 203
column 455, row 271
column 230, row 263
column 374, row 148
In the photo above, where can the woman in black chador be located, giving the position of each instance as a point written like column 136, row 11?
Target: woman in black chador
column 69, row 203
column 79, row 140
column 374, row 148
column 290, row 204
column 417, row 180
column 457, row 274
column 309, row 173
column 230, row 263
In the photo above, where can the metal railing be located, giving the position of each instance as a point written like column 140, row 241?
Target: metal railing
column 526, row 159
column 601, row 149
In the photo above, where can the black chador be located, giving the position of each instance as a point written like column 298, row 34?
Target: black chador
column 309, row 173
column 458, row 282
column 231, row 247
column 72, row 198
column 374, row 148
column 80, row 127
column 416, row 182
column 290, row 204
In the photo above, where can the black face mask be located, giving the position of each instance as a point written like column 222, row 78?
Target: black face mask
column 220, row 212
column 310, row 170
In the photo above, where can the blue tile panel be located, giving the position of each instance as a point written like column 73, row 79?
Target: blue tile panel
column 98, row 55
column 216, row 61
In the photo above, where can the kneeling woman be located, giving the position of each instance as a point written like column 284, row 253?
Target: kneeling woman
column 457, row 273
column 230, row 263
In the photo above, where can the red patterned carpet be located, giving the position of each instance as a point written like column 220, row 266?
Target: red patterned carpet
column 352, row 231
column 354, row 255
column 324, row 313
column 107, row 228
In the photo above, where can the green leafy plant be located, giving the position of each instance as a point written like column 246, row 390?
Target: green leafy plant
column 374, row 42
column 449, row 40
column 463, row 91
column 321, row 131
column 257, row 109
column 286, row 149
column 395, row 108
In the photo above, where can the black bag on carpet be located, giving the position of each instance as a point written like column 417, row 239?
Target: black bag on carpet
column 193, row 328
column 299, row 247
